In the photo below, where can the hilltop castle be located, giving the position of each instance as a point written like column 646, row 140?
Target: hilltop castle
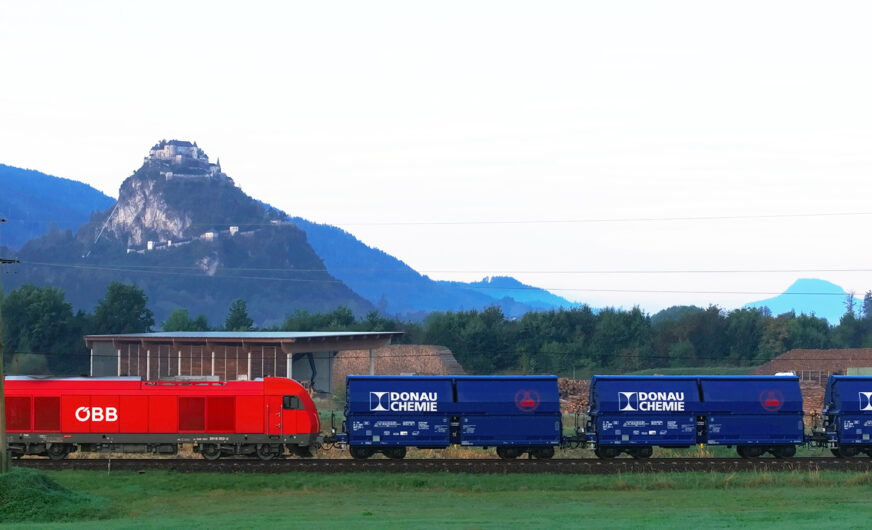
column 179, row 159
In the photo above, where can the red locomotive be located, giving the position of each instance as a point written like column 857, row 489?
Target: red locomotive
column 54, row 417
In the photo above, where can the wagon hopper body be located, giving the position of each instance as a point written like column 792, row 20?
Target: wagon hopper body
column 847, row 416
column 516, row 415
column 634, row 414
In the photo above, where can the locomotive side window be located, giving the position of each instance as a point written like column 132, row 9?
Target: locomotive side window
column 292, row 403
column 47, row 413
column 192, row 414
column 18, row 413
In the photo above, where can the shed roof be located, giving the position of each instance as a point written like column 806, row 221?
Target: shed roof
column 290, row 341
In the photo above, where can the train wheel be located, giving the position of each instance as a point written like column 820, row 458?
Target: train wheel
column 784, row 451
column 265, row 452
column 303, row 451
column 360, row 453
column 847, row 451
column 641, row 452
column 210, row 451
column 395, row 453
column 607, row 452
column 836, row 453
column 751, row 451
column 508, row 453
column 543, row 452
column 57, row 451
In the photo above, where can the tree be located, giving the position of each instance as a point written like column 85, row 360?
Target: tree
column 237, row 317
column 123, row 310
column 179, row 320
column 867, row 305
column 850, row 301
column 39, row 321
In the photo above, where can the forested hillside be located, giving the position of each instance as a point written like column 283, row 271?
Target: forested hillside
column 34, row 203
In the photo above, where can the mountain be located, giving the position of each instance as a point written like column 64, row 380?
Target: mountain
column 810, row 296
column 185, row 234
column 395, row 288
column 35, row 203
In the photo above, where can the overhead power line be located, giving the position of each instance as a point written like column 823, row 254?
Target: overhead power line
column 593, row 220
column 490, row 272
column 221, row 277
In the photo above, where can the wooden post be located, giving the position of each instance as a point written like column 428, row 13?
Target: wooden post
column 4, row 455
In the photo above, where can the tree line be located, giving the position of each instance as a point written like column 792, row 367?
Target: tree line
column 44, row 335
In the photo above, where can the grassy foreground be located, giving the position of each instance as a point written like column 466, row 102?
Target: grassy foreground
column 375, row 500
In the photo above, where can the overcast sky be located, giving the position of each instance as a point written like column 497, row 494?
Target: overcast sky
column 545, row 140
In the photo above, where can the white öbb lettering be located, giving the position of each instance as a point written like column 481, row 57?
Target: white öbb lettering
column 97, row 414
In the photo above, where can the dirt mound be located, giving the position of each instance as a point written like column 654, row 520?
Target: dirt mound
column 27, row 495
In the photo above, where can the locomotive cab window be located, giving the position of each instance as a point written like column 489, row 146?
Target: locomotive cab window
column 292, row 403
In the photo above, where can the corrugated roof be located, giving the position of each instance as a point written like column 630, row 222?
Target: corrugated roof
column 290, row 336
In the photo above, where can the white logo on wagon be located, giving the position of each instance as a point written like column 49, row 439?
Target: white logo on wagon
column 651, row 401
column 865, row 400
column 97, row 414
column 403, row 401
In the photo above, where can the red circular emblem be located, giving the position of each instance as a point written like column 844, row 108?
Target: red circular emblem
column 771, row 400
column 527, row 400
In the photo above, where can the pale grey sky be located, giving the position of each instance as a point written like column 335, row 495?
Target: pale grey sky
column 381, row 117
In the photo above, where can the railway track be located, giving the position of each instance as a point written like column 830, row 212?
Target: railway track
column 494, row 466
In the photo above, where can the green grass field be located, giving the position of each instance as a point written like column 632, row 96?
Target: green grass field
column 373, row 500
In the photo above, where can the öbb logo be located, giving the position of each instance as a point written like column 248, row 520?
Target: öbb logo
column 403, row 401
column 97, row 414
column 651, row 401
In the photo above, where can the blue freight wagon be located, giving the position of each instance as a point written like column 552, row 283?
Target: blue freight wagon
column 515, row 414
column 847, row 416
column 634, row 414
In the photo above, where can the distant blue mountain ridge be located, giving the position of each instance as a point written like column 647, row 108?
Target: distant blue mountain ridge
column 395, row 288
column 810, row 296
column 34, row 203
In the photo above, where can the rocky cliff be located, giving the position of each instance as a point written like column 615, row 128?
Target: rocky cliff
column 196, row 242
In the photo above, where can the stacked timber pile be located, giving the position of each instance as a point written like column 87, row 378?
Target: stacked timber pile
column 812, row 396
column 396, row 359
column 574, row 395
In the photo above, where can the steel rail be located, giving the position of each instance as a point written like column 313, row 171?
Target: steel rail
column 487, row 466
